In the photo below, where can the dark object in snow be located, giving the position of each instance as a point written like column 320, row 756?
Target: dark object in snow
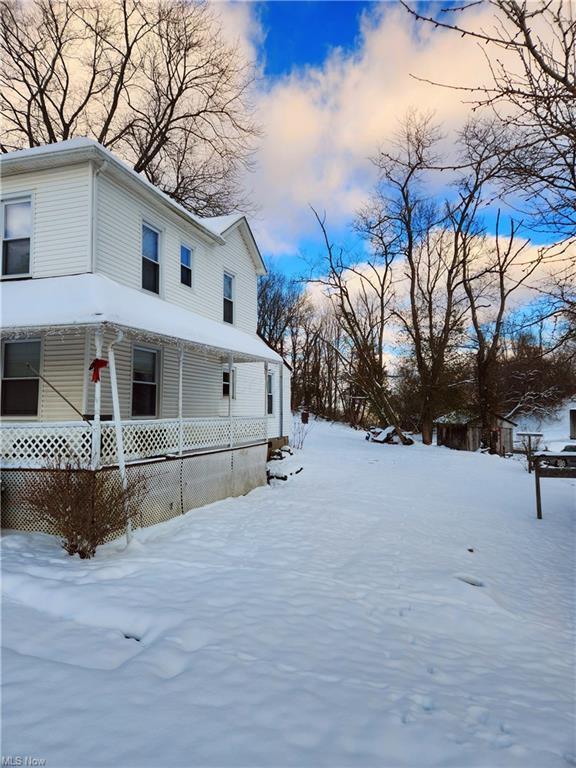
column 472, row 580
column 271, row 476
column 568, row 461
column 387, row 435
column 470, row 549
column 132, row 637
column 304, row 416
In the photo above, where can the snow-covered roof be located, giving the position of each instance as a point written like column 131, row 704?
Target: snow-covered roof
column 84, row 148
column 219, row 224
column 89, row 299
column 455, row 417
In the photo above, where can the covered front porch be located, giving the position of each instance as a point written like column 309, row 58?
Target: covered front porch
column 115, row 379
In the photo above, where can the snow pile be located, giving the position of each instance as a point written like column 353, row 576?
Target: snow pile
column 392, row 607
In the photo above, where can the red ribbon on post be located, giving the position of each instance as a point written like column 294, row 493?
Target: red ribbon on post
column 95, row 367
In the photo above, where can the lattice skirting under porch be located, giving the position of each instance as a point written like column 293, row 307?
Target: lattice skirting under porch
column 173, row 485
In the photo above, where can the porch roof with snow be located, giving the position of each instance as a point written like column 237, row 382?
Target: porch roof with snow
column 91, row 300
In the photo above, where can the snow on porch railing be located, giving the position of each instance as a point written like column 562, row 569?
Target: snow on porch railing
column 35, row 445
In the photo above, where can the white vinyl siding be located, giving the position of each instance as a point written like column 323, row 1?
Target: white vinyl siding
column 236, row 259
column 287, row 400
column 119, row 221
column 274, row 418
column 63, row 366
column 202, row 385
column 61, row 215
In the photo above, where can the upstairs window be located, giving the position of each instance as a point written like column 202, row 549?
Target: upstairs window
column 20, row 384
column 150, row 259
column 270, row 393
column 144, row 382
column 229, row 383
column 186, row 265
column 228, row 298
column 16, row 232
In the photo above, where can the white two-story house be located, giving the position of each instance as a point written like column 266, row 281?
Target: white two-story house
column 129, row 334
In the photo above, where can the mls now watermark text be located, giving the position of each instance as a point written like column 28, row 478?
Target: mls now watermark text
column 22, row 760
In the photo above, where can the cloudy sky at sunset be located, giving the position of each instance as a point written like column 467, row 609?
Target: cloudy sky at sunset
column 335, row 80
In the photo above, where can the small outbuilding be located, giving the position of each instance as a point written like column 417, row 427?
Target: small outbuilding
column 463, row 432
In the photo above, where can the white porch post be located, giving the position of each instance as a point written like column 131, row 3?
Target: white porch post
column 266, row 400
column 231, row 385
column 180, row 400
column 118, row 423
column 281, row 399
column 96, row 425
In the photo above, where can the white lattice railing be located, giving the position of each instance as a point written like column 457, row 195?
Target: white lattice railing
column 36, row 445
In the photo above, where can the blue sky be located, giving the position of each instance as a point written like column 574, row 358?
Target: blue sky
column 336, row 81
column 303, row 33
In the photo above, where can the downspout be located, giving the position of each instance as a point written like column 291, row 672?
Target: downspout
column 96, row 426
column 231, row 385
column 180, row 400
column 118, row 425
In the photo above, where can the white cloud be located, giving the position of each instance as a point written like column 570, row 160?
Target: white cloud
column 321, row 124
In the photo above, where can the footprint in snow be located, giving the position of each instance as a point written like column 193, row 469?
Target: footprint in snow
column 472, row 580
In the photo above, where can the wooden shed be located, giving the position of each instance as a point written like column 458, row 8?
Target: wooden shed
column 463, row 432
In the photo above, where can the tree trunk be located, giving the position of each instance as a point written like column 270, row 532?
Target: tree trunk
column 427, row 428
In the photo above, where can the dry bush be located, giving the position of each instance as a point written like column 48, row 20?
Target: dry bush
column 85, row 506
column 299, row 432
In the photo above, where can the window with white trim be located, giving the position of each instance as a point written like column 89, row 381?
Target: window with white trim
column 20, row 381
column 186, row 265
column 144, row 382
column 16, row 236
column 228, row 315
column 270, row 393
column 150, row 259
column 229, row 382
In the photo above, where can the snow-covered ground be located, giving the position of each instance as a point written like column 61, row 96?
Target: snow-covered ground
column 386, row 607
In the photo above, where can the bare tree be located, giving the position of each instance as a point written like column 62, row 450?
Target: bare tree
column 154, row 80
column 424, row 238
column 280, row 304
column 531, row 53
column 361, row 295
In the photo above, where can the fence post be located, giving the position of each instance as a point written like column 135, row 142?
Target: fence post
column 538, row 496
